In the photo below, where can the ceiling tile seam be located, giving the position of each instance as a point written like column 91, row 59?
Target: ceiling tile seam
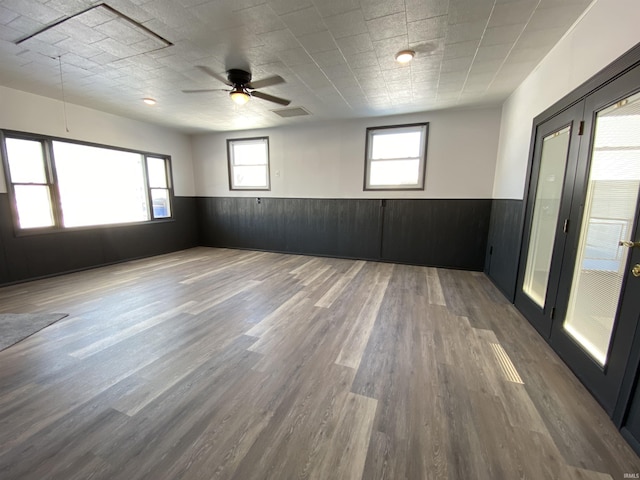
column 486, row 25
column 495, row 75
column 293, row 73
column 316, row 63
column 417, row 44
column 345, row 61
column 442, row 60
column 384, row 78
column 116, row 12
column 406, row 22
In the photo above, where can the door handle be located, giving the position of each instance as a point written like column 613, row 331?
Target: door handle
column 628, row 244
column 636, row 270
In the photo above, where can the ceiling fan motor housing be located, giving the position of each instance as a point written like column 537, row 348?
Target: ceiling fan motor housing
column 238, row 77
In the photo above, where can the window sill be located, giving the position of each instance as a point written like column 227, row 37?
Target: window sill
column 57, row 230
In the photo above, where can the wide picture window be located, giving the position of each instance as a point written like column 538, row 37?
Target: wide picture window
column 396, row 157
column 61, row 184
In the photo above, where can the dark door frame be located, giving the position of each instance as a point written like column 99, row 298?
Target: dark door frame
column 589, row 371
column 541, row 317
column 610, row 73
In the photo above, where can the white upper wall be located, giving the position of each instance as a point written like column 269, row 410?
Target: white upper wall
column 327, row 160
column 606, row 31
column 30, row 113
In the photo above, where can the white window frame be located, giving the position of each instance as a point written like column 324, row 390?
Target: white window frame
column 423, row 128
column 231, row 162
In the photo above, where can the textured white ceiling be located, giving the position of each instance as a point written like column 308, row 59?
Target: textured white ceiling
column 337, row 56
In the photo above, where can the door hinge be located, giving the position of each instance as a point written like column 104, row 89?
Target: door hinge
column 491, row 250
column 565, row 227
column 581, row 128
column 553, row 312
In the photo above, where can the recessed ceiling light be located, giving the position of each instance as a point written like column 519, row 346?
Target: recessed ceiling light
column 405, row 56
column 149, row 101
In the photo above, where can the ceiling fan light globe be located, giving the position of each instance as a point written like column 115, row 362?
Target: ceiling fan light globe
column 239, row 98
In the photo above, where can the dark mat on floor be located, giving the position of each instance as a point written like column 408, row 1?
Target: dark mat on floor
column 15, row 327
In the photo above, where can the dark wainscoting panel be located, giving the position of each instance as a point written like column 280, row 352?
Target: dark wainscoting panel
column 32, row 256
column 314, row 226
column 503, row 246
column 4, row 272
column 441, row 233
column 334, row 227
column 446, row 233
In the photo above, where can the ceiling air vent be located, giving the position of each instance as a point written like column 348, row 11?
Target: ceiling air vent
column 291, row 112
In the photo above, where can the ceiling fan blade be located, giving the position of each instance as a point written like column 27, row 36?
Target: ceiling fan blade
column 206, row 90
column 266, row 82
column 213, row 74
column 271, row 98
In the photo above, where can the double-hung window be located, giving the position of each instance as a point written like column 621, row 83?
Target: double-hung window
column 396, row 157
column 248, row 163
column 159, row 187
column 62, row 184
column 31, row 180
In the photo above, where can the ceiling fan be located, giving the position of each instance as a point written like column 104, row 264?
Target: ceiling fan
column 242, row 88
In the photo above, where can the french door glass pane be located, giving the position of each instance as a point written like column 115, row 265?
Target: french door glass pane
column 609, row 212
column 553, row 161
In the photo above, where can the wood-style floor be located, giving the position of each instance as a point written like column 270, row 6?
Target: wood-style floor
column 224, row 364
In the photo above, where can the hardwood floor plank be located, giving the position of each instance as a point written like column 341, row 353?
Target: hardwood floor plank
column 230, row 290
column 339, row 285
column 346, row 455
column 304, row 420
column 434, row 287
column 291, row 307
column 170, row 423
column 582, row 474
column 227, row 364
column 356, row 341
column 134, row 329
column 234, row 261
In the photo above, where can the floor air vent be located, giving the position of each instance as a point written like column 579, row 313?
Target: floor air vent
column 291, row 112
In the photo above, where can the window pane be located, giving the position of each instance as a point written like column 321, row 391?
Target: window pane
column 26, row 162
column 609, row 215
column 250, row 176
column 99, row 186
column 553, row 160
column 34, row 206
column 394, row 172
column 160, row 202
column 396, row 145
column 249, row 153
column 396, row 157
column 156, row 167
